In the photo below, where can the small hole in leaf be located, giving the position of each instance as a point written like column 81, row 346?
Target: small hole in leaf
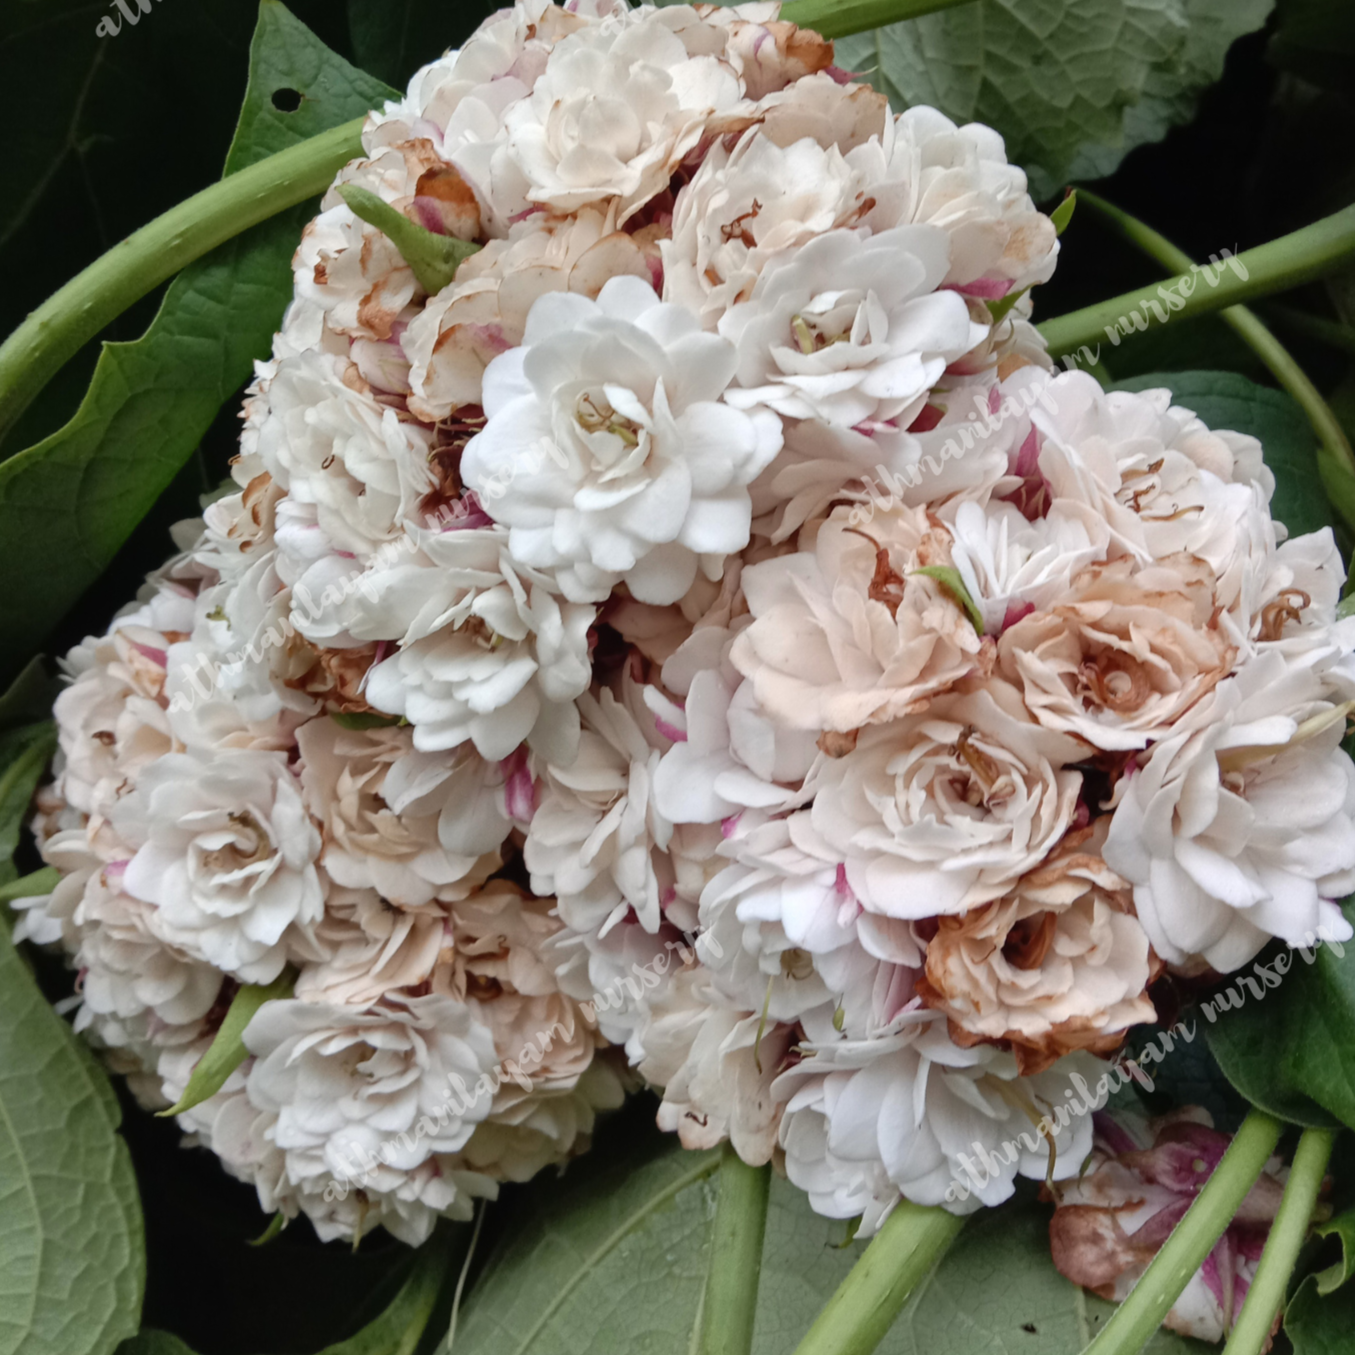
column 1028, row 1327
column 286, row 100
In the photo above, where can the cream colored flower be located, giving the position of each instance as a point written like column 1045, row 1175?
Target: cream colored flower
column 413, row 826
column 484, row 312
column 615, row 111
column 940, row 1124
column 715, row 1066
column 1060, row 963
column 368, row 947
column 225, row 851
column 111, row 719
column 746, row 206
column 1123, row 656
column 349, row 270
column 943, row 811
column 846, row 632
column 609, row 451
column 926, row 169
column 1240, row 825
column 597, row 831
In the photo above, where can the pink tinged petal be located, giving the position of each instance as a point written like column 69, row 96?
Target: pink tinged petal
column 519, row 787
column 986, row 289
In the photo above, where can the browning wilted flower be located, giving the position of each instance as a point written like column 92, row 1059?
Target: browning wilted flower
column 1139, row 1179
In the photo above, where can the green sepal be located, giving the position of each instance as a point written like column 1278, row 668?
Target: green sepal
column 434, row 258
column 365, row 719
column 275, row 1225
column 949, row 579
column 997, row 310
column 228, row 1050
column 1063, row 213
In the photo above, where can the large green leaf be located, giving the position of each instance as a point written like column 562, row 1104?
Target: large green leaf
column 24, row 754
column 1291, row 1051
column 72, row 1258
column 612, row 1258
column 1227, row 400
column 67, row 504
column 1072, row 85
column 997, row 1290
column 1173, row 87
column 1318, row 1325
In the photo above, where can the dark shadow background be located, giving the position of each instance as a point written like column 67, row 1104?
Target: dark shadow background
column 111, row 132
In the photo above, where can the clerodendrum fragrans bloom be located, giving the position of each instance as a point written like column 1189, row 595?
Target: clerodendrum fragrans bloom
column 704, row 643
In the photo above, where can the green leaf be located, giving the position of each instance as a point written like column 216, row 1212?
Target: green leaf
column 1342, row 1227
column 154, row 1343
column 24, row 754
column 1190, row 1076
column 949, row 579
column 1072, row 85
column 40, row 882
column 998, row 310
column 1320, row 1326
column 1172, row 90
column 30, row 697
column 1225, row 400
column 1290, row 1050
column 433, row 259
column 68, row 504
column 996, row 1290
column 227, row 1051
column 612, row 1258
column 72, row 1256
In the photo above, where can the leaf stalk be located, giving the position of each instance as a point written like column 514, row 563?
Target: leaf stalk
column 1275, row 266
column 841, row 18
column 1136, row 1320
column 730, row 1303
column 1268, row 1287
column 910, row 1243
column 70, row 318
column 1253, row 332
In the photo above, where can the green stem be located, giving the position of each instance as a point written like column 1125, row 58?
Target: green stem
column 1134, row 1322
column 839, row 18
column 1282, row 1246
column 1245, row 323
column 1330, row 332
column 730, row 1302
column 854, row 1321
column 59, row 328
column 1273, row 267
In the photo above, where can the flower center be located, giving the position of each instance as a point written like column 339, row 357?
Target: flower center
column 1115, row 682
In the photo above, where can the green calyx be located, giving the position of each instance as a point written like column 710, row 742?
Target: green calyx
column 433, row 258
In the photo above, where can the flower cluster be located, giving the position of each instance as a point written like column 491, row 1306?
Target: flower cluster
column 716, row 554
